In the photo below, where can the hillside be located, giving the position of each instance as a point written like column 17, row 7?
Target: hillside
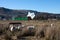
column 9, row 13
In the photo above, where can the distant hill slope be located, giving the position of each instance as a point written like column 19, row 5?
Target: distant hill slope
column 22, row 13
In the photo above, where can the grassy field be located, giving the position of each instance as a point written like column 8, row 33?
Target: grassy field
column 43, row 30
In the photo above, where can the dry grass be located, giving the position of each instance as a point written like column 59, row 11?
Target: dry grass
column 43, row 30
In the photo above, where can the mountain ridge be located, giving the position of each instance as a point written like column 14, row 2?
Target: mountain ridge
column 23, row 13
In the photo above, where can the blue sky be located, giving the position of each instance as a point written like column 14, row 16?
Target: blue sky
column 51, row 6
